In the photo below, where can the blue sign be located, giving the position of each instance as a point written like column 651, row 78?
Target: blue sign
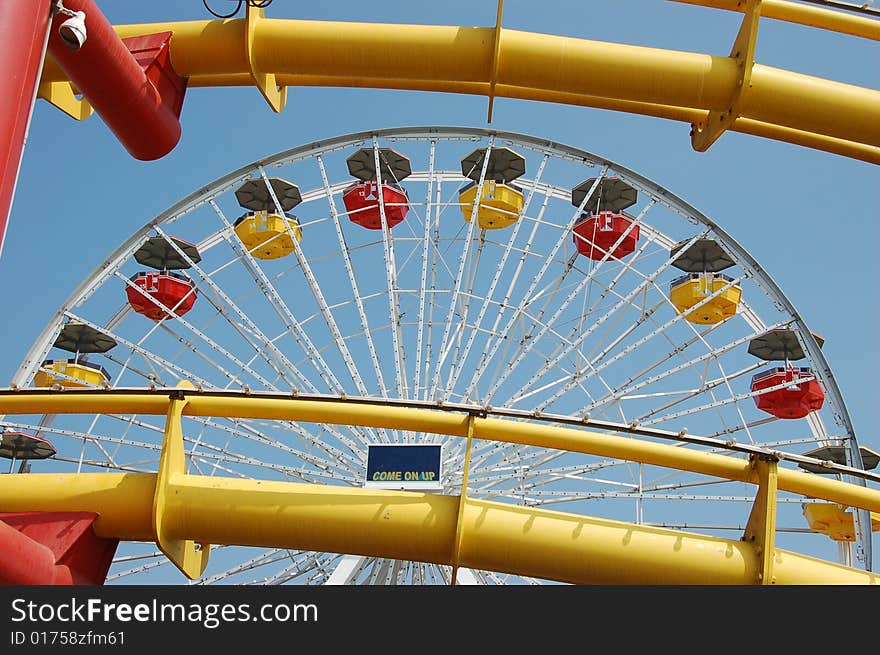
column 404, row 466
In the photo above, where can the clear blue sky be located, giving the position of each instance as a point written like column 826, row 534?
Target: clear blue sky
column 810, row 218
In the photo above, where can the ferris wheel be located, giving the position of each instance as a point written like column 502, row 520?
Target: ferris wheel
column 458, row 270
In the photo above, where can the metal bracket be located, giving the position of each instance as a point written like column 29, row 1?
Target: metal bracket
column 184, row 553
column 493, row 71
column 462, row 499
column 706, row 132
column 62, row 96
column 761, row 528
column 275, row 95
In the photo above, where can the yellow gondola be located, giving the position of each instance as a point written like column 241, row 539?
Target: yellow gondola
column 268, row 235
column 500, row 204
column 688, row 290
column 60, row 371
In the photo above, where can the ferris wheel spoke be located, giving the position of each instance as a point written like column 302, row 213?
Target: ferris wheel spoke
column 590, row 369
column 712, row 354
column 148, row 356
column 445, row 343
column 192, row 346
column 433, row 245
column 626, row 301
column 249, row 430
column 294, row 327
column 265, row 558
column 132, row 558
column 391, row 283
column 466, row 295
column 817, row 426
column 263, row 346
column 275, row 301
column 315, row 288
column 499, row 269
column 528, row 297
column 489, row 353
column 423, row 278
column 533, row 475
column 726, row 401
column 683, row 395
column 160, row 562
column 356, row 294
column 609, row 288
column 301, row 563
column 569, row 345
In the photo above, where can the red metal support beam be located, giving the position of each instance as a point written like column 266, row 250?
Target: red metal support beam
column 53, row 548
column 25, row 24
column 138, row 98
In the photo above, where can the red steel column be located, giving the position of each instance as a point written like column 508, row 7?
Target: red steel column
column 24, row 25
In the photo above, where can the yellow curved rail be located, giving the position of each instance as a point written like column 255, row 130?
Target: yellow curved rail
column 273, row 54
column 453, row 530
column 802, row 14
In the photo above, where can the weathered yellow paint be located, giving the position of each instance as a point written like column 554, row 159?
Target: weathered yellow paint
column 806, row 110
column 123, row 501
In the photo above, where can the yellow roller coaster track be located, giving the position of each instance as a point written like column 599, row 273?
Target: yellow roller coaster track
column 711, row 93
column 186, row 513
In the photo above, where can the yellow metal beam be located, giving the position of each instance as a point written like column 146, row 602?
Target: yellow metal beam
column 705, row 133
column 811, row 111
column 190, row 558
column 496, row 48
column 462, row 500
column 437, row 421
column 870, row 154
column 61, row 94
column 413, row 526
column 274, row 94
column 794, row 12
column 761, row 528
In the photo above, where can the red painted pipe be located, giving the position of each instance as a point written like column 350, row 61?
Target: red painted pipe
column 111, row 79
column 23, row 24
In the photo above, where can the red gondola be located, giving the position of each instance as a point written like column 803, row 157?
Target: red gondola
column 597, row 233
column 796, row 400
column 173, row 290
column 361, row 201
